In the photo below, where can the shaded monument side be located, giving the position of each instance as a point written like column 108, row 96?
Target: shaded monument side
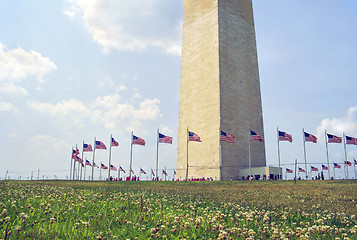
column 199, row 90
column 240, row 96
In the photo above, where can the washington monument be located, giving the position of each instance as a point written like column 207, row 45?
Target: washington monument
column 219, row 89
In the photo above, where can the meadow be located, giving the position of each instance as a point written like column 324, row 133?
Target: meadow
column 178, row 210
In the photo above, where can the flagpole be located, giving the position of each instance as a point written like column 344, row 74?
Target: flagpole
column 354, row 166
column 79, row 165
column 74, row 166
column 157, row 152
column 327, row 155
column 131, row 153
column 344, row 146
column 93, row 158
column 303, row 137
column 277, row 131
column 187, row 154
column 249, row 158
column 295, row 169
column 100, row 172
column 333, row 171
column 220, row 155
column 82, row 160
column 110, row 153
column 70, row 171
column 85, row 169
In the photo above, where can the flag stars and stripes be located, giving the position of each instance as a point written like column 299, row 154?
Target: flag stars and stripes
column 227, row 137
column 165, row 139
column 255, row 136
column 100, row 145
column 283, row 136
column 333, row 138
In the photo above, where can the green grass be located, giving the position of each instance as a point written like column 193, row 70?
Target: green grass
column 178, row 210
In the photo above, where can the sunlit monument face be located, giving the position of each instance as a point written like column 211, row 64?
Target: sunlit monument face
column 219, row 89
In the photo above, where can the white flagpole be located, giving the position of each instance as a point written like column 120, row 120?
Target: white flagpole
column 334, row 171
column 85, row 169
column 344, row 145
column 157, row 152
column 74, row 166
column 70, row 171
column 100, row 171
column 327, row 156
column 303, row 137
column 249, row 158
column 93, row 158
column 277, row 131
column 187, row 154
column 110, row 154
column 220, row 155
column 131, row 153
column 82, row 160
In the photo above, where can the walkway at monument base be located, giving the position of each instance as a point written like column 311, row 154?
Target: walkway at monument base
column 263, row 173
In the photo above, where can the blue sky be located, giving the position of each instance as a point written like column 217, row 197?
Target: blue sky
column 73, row 70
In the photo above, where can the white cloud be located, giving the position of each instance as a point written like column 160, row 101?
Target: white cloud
column 347, row 124
column 71, row 111
column 125, row 115
column 130, row 25
column 17, row 64
column 7, row 107
column 106, row 109
column 108, row 101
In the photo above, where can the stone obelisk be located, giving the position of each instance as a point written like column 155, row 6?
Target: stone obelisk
column 219, row 89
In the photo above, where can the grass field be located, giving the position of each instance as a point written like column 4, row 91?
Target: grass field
column 178, row 210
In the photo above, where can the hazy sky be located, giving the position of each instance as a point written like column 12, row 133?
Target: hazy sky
column 72, row 70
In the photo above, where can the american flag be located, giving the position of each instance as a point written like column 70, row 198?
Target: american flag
column 174, row 172
column 164, row 172
column 121, row 169
column 103, row 166
column 333, row 138
column 100, row 145
column 336, row 165
column 324, row 167
column 152, row 172
column 138, row 141
column 310, row 138
column 87, row 148
column 314, row 169
column 165, row 139
column 289, row 170
column 255, row 136
column 227, row 137
column 78, row 159
column 193, row 137
column 114, row 143
column 112, row 167
column 75, row 152
column 301, row 170
column 283, row 136
column 88, row 163
column 132, row 171
column 95, row 165
column 348, row 163
column 142, row 171
column 351, row 140
column 355, row 161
